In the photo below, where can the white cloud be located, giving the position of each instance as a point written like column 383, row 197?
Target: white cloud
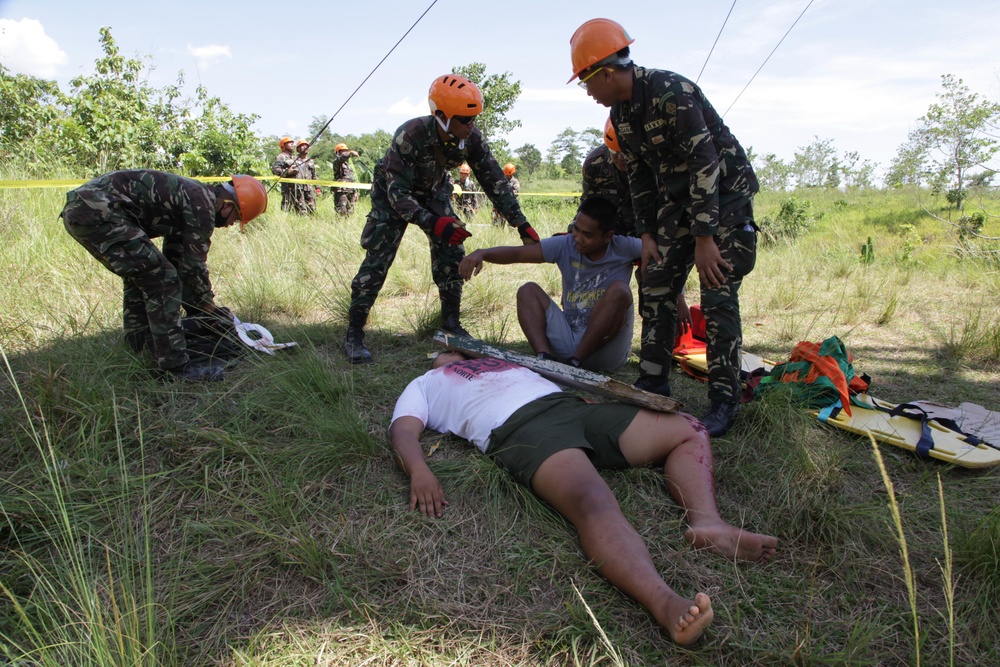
column 26, row 49
column 208, row 55
column 409, row 108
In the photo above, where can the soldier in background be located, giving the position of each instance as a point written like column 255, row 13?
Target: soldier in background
column 285, row 166
column 344, row 198
column 692, row 188
column 604, row 175
column 115, row 216
column 515, row 185
column 468, row 201
column 412, row 185
column 306, row 195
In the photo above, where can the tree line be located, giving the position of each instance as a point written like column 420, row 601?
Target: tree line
column 113, row 119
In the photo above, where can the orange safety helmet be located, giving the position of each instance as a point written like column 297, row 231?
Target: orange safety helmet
column 509, row 169
column 610, row 138
column 340, row 147
column 595, row 41
column 300, row 142
column 454, row 95
column 464, row 169
column 284, row 140
column 251, row 197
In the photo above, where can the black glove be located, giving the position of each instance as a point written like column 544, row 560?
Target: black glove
column 527, row 233
column 448, row 230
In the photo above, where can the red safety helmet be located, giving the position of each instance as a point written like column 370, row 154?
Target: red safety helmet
column 595, row 41
column 454, row 95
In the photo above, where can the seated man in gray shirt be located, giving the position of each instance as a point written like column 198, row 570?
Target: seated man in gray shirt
column 593, row 328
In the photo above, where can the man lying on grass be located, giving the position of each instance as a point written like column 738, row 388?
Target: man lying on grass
column 554, row 443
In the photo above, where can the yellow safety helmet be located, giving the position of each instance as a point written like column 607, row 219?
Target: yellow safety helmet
column 454, row 95
column 340, row 147
column 595, row 41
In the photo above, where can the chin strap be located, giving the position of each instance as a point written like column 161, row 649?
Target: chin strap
column 446, row 127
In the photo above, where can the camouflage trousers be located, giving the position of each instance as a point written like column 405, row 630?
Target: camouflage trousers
column 306, row 198
column 344, row 199
column 381, row 239
column 292, row 199
column 721, row 306
column 151, row 305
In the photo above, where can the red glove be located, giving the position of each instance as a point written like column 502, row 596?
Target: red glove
column 527, row 233
column 449, row 231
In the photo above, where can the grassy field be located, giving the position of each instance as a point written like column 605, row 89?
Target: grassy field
column 262, row 521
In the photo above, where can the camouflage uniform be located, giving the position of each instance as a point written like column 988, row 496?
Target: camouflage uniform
column 344, row 198
column 602, row 179
column 468, row 201
column 306, row 192
column 515, row 186
column 286, row 165
column 114, row 217
column 412, row 184
column 689, row 177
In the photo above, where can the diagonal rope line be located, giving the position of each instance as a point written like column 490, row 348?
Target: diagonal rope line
column 712, row 50
column 766, row 59
column 298, row 159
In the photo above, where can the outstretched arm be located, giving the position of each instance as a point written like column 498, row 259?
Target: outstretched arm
column 426, row 493
column 508, row 254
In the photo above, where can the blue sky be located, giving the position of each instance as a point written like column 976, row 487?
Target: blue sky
column 859, row 72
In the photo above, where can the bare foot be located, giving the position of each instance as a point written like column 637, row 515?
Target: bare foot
column 731, row 542
column 688, row 619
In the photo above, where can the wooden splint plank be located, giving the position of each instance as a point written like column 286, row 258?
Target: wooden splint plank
column 576, row 378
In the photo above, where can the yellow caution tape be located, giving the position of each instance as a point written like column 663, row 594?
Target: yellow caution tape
column 72, row 183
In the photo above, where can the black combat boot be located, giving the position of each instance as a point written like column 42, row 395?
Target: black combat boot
column 657, row 384
column 720, row 417
column 450, row 306
column 354, row 345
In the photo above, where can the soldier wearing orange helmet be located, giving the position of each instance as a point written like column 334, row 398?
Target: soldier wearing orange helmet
column 413, row 185
column 115, row 216
column 508, row 170
column 468, row 201
column 306, row 193
column 344, row 198
column 680, row 153
column 285, row 165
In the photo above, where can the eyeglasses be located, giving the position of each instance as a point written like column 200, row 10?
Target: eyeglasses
column 465, row 120
column 583, row 82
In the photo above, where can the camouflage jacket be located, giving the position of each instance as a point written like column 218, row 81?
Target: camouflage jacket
column 674, row 139
column 413, row 180
column 342, row 170
column 281, row 164
column 602, row 179
column 515, row 185
column 180, row 210
column 307, row 169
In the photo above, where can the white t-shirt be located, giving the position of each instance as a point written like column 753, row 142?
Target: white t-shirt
column 471, row 398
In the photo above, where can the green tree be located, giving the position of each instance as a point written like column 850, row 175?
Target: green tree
column 857, row 172
column 28, row 108
column 816, row 165
column 955, row 138
column 530, row 157
column 500, row 93
column 221, row 142
column 772, row 173
column 570, row 147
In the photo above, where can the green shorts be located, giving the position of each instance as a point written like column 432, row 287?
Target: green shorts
column 556, row 422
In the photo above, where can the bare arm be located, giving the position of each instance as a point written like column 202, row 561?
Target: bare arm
column 426, row 493
column 508, row 254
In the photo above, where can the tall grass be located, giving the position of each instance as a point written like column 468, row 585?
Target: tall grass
column 262, row 521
